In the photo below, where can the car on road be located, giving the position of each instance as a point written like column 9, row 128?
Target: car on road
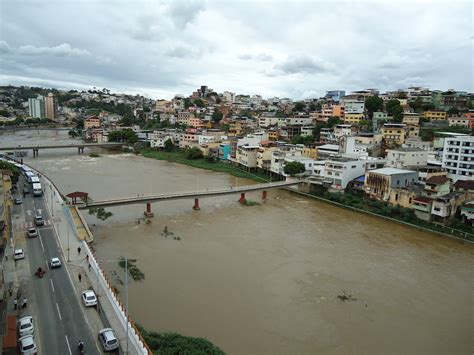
column 25, row 326
column 27, row 345
column 32, row 232
column 89, row 298
column 39, row 221
column 54, row 263
column 108, row 339
column 18, row 201
column 18, row 254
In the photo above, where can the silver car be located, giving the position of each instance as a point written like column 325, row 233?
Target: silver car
column 108, row 339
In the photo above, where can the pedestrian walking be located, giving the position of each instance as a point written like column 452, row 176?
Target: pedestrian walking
column 78, row 250
column 10, row 291
column 89, row 266
column 87, row 258
column 6, row 255
column 15, row 304
column 24, row 303
column 80, row 277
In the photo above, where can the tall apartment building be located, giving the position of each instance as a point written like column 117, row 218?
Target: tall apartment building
column 335, row 95
column 36, row 107
column 458, row 157
column 51, row 106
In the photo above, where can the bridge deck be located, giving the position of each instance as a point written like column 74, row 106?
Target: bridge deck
column 187, row 195
column 53, row 146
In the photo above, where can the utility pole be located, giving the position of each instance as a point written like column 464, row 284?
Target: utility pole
column 126, row 295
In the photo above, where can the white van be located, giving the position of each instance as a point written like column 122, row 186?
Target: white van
column 37, row 191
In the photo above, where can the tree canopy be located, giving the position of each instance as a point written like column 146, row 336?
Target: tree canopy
column 124, row 135
column 294, row 167
column 194, row 153
column 394, row 109
column 373, row 104
column 302, row 140
column 217, row 116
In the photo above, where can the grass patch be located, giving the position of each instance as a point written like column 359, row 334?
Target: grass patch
column 180, row 157
column 251, row 203
column 94, row 155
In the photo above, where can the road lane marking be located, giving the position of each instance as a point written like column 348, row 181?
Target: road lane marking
column 47, row 264
column 68, row 346
column 59, row 313
column 39, row 237
column 28, row 212
column 39, row 211
column 52, row 285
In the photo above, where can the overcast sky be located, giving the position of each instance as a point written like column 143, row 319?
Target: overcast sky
column 296, row 49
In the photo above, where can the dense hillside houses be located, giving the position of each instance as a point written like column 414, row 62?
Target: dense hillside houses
column 412, row 148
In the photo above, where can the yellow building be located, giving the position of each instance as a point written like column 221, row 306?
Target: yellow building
column 435, row 115
column 353, row 117
column 394, row 133
column 235, row 128
column 310, row 152
column 273, row 135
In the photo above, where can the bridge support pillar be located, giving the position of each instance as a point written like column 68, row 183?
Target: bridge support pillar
column 196, row 205
column 80, row 150
column 242, row 198
column 35, row 152
column 264, row 195
column 148, row 212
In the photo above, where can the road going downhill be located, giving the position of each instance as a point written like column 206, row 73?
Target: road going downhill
column 60, row 319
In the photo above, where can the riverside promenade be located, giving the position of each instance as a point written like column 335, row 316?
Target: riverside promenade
column 73, row 234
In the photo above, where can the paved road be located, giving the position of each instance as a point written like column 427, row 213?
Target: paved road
column 60, row 318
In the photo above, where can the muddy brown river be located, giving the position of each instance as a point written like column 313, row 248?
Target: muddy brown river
column 264, row 279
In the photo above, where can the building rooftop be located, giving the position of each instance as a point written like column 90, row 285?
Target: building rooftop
column 437, row 180
column 407, row 150
column 464, row 184
column 391, row 171
column 329, row 147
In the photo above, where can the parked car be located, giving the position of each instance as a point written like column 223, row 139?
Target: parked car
column 18, row 254
column 18, row 201
column 27, row 345
column 32, row 232
column 25, row 326
column 55, row 263
column 108, row 339
column 39, row 221
column 89, row 298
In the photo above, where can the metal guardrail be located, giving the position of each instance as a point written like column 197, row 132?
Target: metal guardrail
column 53, row 146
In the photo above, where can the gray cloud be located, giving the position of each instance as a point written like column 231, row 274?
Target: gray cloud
column 303, row 64
column 167, row 47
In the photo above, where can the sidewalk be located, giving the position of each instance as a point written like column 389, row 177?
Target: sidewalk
column 75, row 253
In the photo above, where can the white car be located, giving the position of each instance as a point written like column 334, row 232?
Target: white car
column 54, row 263
column 18, row 254
column 27, row 345
column 32, row 232
column 25, row 326
column 89, row 298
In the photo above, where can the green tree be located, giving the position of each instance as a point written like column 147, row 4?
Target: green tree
column 194, row 153
column 217, row 116
column 4, row 165
column 293, row 168
column 199, row 103
column 169, row 146
column 394, row 109
column 416, row 104
column 365, row 124
column 373, row 104
column 124, row 135
column 299, row 106
column 453, row 111
column 72, row 133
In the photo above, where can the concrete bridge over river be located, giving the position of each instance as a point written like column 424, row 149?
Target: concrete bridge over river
column 80, row 147
column 188, row 195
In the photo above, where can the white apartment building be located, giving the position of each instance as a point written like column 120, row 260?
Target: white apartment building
column 353, row 106
column 337, row 172
column 184, row 117
column 279, row 156
column 295, row 121
column 307, row 162
column 158, row 140
column 253, row 139
column 342, row 130
column 402, row 158
column 458, row 121
column 458, row 157
column 36, row 107
column 267, row 121
column 247, row 155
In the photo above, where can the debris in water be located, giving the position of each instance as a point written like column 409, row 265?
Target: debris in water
column 346, row 297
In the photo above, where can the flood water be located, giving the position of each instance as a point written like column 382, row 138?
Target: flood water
column 264, row 279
